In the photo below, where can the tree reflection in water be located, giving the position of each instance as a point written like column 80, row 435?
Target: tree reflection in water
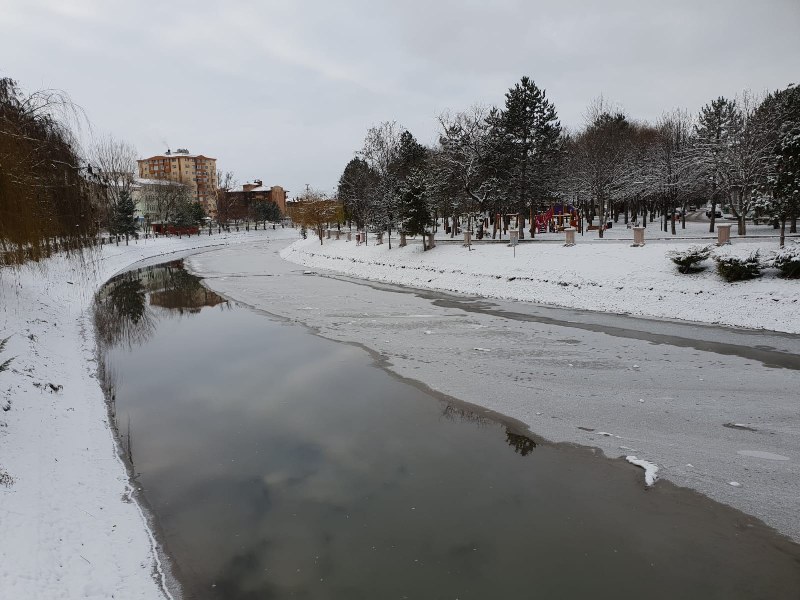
column 522, row 444
column 122, row 313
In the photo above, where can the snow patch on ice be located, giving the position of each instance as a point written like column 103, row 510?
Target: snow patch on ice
column 650, row 469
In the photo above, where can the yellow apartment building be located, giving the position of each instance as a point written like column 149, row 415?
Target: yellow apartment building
column 196, row 171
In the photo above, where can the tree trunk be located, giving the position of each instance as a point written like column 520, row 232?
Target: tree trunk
column 532, row 223
column 783, row 232
column 793, row 226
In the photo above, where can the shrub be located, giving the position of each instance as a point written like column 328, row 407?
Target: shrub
column 735, row 268
column 688, row 259
column 787, row 260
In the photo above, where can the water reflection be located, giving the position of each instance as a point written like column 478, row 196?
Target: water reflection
column 281, row 465
column 522, row 444
column 122, row 312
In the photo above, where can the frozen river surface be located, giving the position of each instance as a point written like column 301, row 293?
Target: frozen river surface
column 711, row 406
column 280, row 464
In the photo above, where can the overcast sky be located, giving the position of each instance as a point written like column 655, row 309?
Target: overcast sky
column 285, row 91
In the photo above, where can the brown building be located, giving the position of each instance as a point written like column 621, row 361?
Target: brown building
column 239, row 200
column 257, row 192
column 196, row 171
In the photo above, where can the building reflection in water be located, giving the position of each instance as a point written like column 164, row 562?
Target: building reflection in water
column 122, row 308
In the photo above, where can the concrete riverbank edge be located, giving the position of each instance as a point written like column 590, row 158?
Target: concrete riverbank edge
column 70, row 526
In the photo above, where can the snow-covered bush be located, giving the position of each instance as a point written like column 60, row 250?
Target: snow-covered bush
column 687, row 260
column 787, row 260
column 737, row 268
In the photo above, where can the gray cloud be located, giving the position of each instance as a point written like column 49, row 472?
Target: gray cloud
column 285, row 90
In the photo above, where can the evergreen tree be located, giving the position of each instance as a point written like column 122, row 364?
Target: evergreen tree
column 526, row 135
column 717, row 124
column 184, row 214
column 414, row 204
column 410, row 155
column 123, row 220
column 267, row 211
column 197, row 213
column 779, row 115
column 357, row 191
column 411, row 204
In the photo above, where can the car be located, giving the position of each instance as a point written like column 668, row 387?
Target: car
column 717, row 214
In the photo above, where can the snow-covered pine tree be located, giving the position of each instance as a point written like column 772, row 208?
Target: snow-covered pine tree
column 357, row 190
column 717, row 124
column 779, row 196
column 123, row 219
column 414, row 205
column 527, row 135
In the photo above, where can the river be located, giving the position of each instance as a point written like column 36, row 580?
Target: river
column 280, row 464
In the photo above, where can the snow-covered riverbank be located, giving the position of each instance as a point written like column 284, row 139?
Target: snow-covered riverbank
column 607, row 275
column 69, row 525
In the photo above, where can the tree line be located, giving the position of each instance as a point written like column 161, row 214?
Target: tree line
column 44, row 192
column 741, row 154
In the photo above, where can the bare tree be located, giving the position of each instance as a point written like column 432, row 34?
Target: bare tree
column 114, row 166
column 315, row 210
column 669, row 171
column 164, row 200
column 225, row 209
column 599, row 160
column 381, row 150
column 463, row 167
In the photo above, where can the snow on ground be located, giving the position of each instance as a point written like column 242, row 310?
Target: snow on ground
column 602, row 275
column 70, row 526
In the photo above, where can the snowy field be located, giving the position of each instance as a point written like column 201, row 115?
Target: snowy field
column 70, row 526
column 601, row 275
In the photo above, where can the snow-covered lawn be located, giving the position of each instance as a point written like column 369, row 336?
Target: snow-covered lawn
column 602, row 275
column 69, row 524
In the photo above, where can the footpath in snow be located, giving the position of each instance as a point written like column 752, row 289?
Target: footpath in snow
column 70, row 525
column 601, row 275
